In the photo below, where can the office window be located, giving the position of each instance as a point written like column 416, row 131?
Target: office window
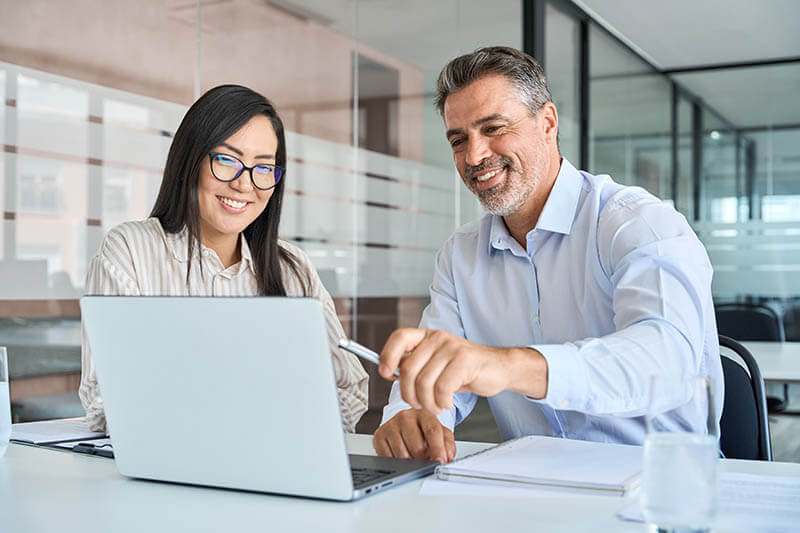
column 685, row 186
column 39, row 193
column 720, row 176
column 751, row 180
column 562, row 65
column 630, row 117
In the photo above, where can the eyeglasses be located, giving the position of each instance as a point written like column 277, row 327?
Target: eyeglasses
column 227, row 168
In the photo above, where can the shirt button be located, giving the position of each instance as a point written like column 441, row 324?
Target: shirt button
column 563, row 404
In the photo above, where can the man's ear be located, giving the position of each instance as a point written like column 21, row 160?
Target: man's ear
column 549, row 119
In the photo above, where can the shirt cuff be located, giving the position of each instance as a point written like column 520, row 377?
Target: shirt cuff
column 566, row 383
column 396, row 404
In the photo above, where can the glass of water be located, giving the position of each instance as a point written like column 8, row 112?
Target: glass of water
column 5, row 403
column 681, row 454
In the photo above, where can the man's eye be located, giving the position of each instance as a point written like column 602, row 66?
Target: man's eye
column 456, row 142
column 492, row 129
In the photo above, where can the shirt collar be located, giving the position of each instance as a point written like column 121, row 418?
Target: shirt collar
column 247, row 257
column 558, row 213
column 559, row 209
column 499, row 236
column 178, row 244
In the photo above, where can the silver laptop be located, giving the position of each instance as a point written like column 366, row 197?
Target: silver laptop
column 228, row 392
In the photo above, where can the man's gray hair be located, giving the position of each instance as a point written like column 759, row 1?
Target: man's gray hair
column 521, row 69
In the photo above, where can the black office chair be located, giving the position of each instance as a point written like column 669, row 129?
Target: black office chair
column 744, row 428
column 754, row 322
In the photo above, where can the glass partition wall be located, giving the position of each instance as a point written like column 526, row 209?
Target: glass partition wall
column 720, row 142
column 372, row 192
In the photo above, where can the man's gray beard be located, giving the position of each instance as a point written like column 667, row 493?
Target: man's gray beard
column 514, row 196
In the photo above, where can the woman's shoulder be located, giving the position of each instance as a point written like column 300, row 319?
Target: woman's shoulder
column 300, row 278
column 295, row 251
column 133, row 233
column 138, row 229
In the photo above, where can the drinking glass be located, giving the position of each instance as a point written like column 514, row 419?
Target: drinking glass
column 5, row 403
column 681, row 454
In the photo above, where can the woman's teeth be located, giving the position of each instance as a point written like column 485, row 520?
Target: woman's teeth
column 233, row 203
column 489, row 175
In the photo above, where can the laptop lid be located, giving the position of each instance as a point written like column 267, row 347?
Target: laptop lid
column 219, row 391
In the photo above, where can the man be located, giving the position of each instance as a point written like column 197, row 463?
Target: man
column 561, row 302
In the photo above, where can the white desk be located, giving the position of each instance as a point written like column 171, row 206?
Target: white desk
column 43, row 490
column 778, row 361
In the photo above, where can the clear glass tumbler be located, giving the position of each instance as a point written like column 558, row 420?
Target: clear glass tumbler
column 681, row 455
column 5, row 403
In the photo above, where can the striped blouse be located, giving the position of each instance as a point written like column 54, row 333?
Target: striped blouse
column 141, row 259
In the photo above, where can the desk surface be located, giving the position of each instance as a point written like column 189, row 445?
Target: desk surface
column 49, row 490
column 778, row 361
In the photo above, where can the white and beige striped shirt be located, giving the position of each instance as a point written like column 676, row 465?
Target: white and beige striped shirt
column 140, row 259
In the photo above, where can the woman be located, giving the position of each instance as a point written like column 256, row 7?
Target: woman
column 214, row 232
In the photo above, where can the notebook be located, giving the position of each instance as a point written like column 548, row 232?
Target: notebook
column 53, row 431
column 233, row 392
column 565, row 464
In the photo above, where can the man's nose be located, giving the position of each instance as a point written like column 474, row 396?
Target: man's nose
column 477, row 150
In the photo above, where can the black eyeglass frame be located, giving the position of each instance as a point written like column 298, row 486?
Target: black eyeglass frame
column 212, row 155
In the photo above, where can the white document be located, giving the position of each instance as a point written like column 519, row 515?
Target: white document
column 432, row 486
column 750, row 503
column 52, row 431
column 549, row 462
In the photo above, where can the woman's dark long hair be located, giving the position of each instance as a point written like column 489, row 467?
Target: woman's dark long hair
column 214, row 117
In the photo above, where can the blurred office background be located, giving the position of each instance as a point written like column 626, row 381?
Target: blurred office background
column 694, row 101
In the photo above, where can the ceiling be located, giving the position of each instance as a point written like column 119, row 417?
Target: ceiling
column 682, row 34
column 422, row 33
column 687, row 33
column 672, row 34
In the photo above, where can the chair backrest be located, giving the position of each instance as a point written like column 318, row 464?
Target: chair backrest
column 791, row 320
column 744, row 428
column 749, row 322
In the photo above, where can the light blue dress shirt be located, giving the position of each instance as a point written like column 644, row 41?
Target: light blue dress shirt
column 613, row 288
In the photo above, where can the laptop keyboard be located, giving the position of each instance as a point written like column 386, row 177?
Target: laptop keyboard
column 362, row 476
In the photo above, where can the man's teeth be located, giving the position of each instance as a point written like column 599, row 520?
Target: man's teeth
column 233, row 203
column 489, row 175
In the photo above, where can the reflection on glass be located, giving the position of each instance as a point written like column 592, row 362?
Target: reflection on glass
column 371, row 209
column 720, row 175
column 630, row 121
column 562, row 64
column 750, row 188
column 685, row 186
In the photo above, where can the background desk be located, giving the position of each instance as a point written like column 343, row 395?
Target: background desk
column 778, row 361
column 48, row 490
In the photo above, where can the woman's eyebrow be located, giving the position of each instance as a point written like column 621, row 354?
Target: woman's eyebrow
column 233, row 149
column 240, row 153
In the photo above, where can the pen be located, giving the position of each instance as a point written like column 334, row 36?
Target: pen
column 363, row 352
column 87, row 447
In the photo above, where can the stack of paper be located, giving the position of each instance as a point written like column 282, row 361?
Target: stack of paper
column 565, row 464
column 52, row 431
column 749, row 503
